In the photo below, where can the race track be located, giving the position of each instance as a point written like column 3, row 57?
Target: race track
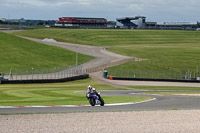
column 160, row 102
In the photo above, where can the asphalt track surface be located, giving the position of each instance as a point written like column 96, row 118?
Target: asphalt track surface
column 161, row 102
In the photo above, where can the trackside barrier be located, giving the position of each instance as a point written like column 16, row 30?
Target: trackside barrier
column 154, row 75
column 34, row 75
column 44, row 74
column 146, row 79
column 110, row 78
column 84, row 76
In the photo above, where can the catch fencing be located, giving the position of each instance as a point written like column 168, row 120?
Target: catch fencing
column 188, row 75
column 43, row 74
column 56, row 73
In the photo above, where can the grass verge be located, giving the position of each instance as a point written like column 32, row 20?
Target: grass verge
column 56, row 94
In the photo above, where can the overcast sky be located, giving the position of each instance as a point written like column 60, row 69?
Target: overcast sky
column 154, row 10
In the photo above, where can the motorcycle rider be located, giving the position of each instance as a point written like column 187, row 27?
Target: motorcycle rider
column 91, row 90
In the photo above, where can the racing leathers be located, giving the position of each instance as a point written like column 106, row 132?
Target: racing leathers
column 91, row 91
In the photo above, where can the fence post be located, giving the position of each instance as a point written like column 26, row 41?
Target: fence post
column 55, row 72
column 32, row 73
column 37, row 74
column 58, row 74
column 42, row 73
column 47, row 73
column 68, row 72
column 27, row 74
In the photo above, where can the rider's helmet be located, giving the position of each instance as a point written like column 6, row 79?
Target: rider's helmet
column 89, row 87
column 94, row 90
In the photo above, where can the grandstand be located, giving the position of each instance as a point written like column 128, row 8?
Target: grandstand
column 139, row 22
column 81, row 22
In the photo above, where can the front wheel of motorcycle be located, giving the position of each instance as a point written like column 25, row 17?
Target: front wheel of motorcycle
column 92, row 101
column 102, row 101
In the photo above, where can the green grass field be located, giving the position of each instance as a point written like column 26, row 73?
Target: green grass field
column 56, row 94
column 165, row 50
column 18, row 53
column 109, row 37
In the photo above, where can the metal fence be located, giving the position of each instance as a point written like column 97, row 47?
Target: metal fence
column 43, row 74
column 189, row 75
column 56, row 73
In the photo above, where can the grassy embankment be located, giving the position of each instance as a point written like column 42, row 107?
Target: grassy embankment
column 165, row 51
column 18, row 53
column 56, row 94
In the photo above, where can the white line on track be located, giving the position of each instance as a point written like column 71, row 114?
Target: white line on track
column 116, row 104
column 148, row 94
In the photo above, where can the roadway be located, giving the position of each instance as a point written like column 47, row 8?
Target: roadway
column 160, row 102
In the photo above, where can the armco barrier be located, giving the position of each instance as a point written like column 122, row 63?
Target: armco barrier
column 84, row 76
column 146, row 79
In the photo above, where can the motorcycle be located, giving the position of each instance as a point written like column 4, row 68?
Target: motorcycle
column 95, row 99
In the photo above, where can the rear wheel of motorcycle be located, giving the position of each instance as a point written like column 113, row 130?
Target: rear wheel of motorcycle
column 92, row 101
column 102, row 101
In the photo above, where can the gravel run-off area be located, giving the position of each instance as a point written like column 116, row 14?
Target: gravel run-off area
column 171, row 121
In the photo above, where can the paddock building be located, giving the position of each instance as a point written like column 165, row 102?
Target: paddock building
column 81, row 22
column 139, row 22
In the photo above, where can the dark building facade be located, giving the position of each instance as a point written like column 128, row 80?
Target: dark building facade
column 137, row 22
column 80, row 22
